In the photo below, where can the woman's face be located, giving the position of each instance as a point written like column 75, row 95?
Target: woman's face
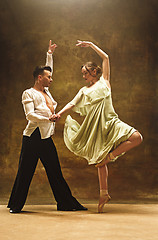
column 88, row 74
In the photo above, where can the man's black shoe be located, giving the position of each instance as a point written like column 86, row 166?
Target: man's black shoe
column 78, row 208
column 14, row 211
column 81, row 208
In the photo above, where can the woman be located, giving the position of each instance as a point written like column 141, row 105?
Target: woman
column 102, row 137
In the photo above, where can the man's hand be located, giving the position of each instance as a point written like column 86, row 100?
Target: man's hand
column 51, row 47
column 54, row 118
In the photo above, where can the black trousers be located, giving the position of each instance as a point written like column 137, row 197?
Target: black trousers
column 33, row 148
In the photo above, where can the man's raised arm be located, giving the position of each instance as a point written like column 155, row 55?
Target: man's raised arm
column 49, row 58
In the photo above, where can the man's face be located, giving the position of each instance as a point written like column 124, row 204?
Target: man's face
column 46, row 78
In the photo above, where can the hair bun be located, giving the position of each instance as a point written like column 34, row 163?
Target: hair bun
column 98, row 69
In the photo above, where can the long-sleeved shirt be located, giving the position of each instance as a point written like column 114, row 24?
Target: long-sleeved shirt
column 36, row 110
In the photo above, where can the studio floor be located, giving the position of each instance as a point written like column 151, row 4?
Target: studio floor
column 118, row 222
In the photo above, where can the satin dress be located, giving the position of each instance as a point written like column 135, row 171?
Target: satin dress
column 101, row 131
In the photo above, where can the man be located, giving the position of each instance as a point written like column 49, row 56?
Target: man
column 39, row 107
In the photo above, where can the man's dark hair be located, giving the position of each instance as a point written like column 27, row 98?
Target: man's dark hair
column 39, row 70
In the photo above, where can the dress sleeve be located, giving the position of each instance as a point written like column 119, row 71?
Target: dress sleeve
column 77, row 98
column 79, row 103
column 49, row 60
column 28, row 105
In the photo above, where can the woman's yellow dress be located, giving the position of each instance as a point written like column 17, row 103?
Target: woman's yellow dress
column 101, row 130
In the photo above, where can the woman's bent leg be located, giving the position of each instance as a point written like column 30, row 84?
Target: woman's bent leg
column 134, row 140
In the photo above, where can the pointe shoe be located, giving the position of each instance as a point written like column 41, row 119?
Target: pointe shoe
column 110, row 157
column 104, row 198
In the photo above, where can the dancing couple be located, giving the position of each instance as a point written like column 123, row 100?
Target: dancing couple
column 100, row 139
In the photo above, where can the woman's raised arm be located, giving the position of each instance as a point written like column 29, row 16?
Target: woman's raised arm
column 102, row 54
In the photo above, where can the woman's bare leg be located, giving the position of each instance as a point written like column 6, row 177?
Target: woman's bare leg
column 103, row 177
column 103, row 183
column 134, row 140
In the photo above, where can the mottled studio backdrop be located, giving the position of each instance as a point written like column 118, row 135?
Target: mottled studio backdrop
column 127, row 31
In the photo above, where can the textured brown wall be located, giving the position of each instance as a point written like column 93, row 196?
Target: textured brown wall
column 127, row 31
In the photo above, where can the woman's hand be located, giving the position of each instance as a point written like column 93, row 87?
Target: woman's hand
column 83, row 43
column 54, row 118
column 51, row 47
